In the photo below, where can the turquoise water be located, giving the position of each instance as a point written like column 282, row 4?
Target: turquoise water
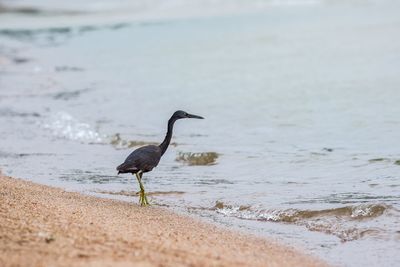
column 300, row 100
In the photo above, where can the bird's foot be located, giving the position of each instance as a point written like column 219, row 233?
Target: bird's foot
column 143, row 199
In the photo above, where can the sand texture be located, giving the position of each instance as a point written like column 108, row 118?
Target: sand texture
column 45, row 226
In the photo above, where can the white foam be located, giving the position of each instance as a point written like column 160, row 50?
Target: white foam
column 63, row 125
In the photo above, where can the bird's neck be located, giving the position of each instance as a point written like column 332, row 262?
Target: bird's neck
column 164, row 145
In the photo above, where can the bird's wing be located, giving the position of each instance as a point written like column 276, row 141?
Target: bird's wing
column 144, row 158
column 126, row 168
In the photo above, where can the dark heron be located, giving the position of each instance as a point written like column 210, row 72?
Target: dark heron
column 145, row 158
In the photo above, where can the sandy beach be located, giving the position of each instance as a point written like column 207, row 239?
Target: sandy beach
column 45, row 226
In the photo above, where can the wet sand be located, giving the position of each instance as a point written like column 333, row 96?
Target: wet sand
column 45, row 226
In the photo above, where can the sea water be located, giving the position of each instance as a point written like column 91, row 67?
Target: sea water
column 300, row 99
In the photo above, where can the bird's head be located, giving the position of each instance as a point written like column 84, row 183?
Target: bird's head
column 180, row 114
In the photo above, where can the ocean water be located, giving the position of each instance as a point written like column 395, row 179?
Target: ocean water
column 301, row 100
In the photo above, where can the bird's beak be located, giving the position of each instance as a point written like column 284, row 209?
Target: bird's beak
column 191, row 116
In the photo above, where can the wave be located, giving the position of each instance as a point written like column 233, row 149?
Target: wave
column 343, row 222
column 63, row 125
column 75, row 8
column 118, row 143
column 203, row 158
column 6, row 112
column 120, row 13
column 363, row 211
column 136, row 193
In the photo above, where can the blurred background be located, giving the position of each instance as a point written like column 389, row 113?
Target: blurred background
column 301, row 100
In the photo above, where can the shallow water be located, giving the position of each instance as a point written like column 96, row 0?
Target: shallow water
column 300, row 100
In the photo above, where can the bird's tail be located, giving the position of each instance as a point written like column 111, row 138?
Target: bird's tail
column 119, row 168
column 124, row 168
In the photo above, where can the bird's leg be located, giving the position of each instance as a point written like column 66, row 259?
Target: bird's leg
column 142, row 195
column 142, row 187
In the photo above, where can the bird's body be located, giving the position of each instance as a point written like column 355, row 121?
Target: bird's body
column 146, row 158
column 142, row 159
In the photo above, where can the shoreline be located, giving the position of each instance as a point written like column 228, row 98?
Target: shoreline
column 47, row 226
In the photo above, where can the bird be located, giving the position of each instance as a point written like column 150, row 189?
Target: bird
column 146, row 158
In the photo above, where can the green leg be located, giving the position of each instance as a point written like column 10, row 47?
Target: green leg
column 142, row 195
